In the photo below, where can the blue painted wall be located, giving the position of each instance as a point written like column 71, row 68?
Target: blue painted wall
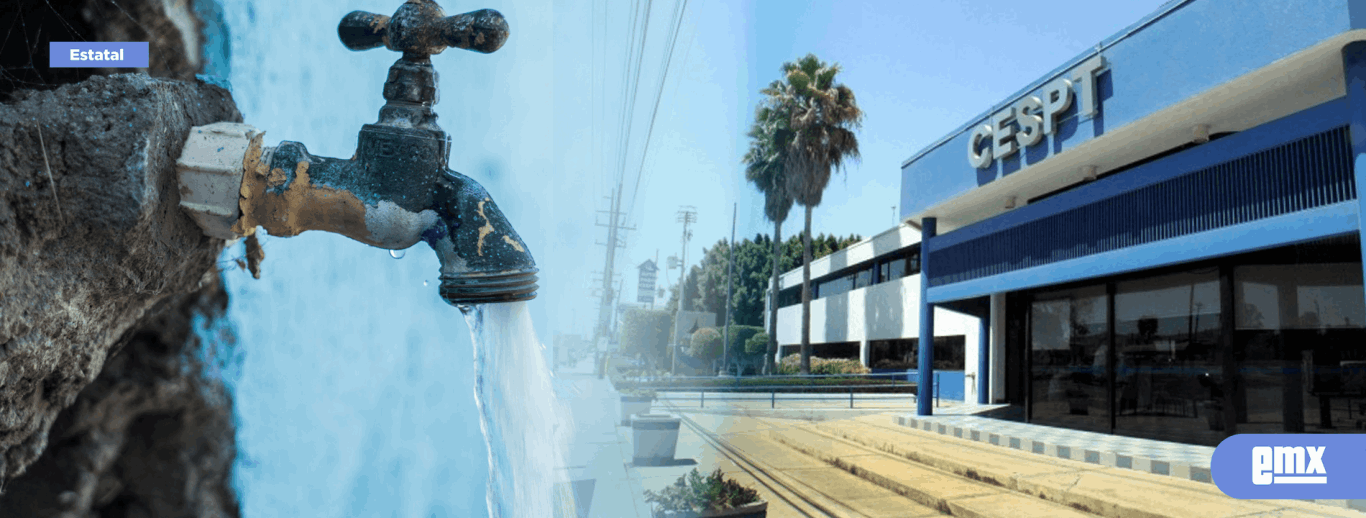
column 950, row 383
column 1178, row 52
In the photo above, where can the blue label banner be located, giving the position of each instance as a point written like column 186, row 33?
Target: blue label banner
column 97, row 54
column 1286, row 466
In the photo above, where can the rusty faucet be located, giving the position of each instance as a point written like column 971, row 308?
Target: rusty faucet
column 396, row 190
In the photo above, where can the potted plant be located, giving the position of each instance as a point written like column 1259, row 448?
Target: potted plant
column 713, row 496
column 654, row 438
column 635, row 401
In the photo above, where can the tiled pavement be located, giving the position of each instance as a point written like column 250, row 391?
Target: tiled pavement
column 1186, row 461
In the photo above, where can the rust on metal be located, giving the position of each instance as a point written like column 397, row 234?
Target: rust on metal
column 513, row 243
column 484, row 230
column 277, row 178
column 301, row 206
column 255, row 254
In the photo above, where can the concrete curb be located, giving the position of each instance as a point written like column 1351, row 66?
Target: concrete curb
column 1181, row 470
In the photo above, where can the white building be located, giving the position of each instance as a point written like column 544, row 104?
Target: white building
column 865, row 305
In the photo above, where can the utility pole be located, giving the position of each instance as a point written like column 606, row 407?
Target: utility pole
column 730, row 275
column 686, row 215
column 614, row 228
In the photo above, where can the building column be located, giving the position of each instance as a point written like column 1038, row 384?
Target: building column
column 925, row 338
column 998, row 348
column 983, row 353
column 1354, row 72
column 864, row 353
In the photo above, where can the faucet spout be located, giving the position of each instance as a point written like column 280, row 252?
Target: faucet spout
column 396, row 190
column 482, row 257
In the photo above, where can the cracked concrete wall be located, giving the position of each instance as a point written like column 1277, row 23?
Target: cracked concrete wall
column 111, row 403
column 153, row 434
column 91, row 240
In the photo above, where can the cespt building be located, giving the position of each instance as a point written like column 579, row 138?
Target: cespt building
column 1161, row 238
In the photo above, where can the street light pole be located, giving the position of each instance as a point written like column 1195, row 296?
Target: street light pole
column 686, row 215
column 730, row 275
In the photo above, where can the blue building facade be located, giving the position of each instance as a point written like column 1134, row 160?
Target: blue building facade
column 1162, row 237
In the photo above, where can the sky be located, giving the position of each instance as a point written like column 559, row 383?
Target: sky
column 918, row 69
column 354, row 388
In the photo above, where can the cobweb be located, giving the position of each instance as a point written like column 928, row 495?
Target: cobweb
column 30, row 25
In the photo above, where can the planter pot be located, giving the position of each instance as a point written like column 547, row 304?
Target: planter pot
column 632, row 405
column 755, row 510
column 655, row 438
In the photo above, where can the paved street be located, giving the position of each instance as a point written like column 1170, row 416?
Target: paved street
column 821, row 458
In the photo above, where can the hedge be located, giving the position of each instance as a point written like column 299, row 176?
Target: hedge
column 791, row 364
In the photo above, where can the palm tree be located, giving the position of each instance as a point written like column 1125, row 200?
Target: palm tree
column 765, row 168
column 822, row 116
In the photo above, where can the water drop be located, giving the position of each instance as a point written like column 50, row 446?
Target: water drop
column 396, row 254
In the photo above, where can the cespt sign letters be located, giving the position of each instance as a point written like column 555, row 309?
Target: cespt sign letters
column 1025, row 123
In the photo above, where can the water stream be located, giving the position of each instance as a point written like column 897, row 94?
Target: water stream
column 524, row 424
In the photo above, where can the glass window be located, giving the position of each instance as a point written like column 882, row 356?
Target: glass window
column 835, row 286
column 913, row 264
column 894, row 269
column 1068, row 337
column 863, row 278
column 1325, row 296
column 1301, row 346
column 1168, row 361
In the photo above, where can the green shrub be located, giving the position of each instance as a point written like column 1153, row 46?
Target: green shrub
column 792, row 364
column 757, row 344
column 739, row 337
column 705, row 344
column 693, row 493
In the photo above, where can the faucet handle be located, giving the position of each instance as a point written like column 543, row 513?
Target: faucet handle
column 421, row 27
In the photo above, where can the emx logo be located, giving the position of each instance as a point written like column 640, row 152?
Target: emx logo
column 1284, row 466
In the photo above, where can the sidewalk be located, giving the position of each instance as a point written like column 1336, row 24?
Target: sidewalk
column 599, row 452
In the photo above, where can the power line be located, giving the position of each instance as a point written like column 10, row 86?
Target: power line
column 677, row 79
column 627, row 102
column 635, row 91
column 659, row 96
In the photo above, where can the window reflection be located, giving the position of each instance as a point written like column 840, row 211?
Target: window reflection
column 1068, row 338
column 1301, row 347
column 1167, row 335
column 863, row 278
